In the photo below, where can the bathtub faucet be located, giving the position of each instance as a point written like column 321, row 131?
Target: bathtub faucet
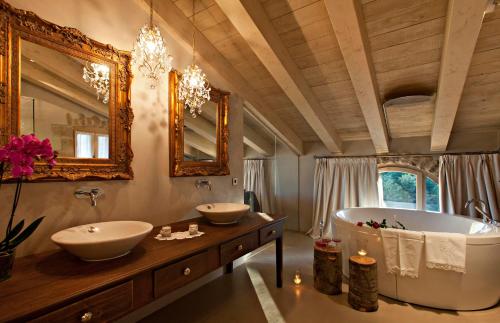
column 484, row 211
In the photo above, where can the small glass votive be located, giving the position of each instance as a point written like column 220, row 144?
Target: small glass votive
column 193, row 229
column 166, row 231
column 297, row 278
column 362, row 246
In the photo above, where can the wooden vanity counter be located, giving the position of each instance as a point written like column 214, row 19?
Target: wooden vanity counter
column 56, row 286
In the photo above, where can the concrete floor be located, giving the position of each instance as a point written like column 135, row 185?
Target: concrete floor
column 249, row 295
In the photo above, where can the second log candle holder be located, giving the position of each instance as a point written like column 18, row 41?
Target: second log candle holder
column 363, row 286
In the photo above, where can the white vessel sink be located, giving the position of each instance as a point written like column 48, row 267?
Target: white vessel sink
column 102, row 241
column 223, row 213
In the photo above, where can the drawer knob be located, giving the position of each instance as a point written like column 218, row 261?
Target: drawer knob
column 240, row 247
column 273, row 232
column 87, row 317
column 187, row 271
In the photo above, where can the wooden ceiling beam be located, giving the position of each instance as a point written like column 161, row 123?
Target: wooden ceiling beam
column 180, row 27
column 255, row 141
column 202, row 144
column 52, row 83
column 251, row 138
column 348, row 24
column 253, row 24
column 463, row 23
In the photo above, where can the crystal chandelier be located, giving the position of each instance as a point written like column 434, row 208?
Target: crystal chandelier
column 150, row 52
column 97, row 76
column 194, row 89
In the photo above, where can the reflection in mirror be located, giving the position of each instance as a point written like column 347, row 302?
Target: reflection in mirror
column 259, row 166
column 200, row 134
column 65, row 99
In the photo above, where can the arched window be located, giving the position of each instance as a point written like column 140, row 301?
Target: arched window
column 407, row 188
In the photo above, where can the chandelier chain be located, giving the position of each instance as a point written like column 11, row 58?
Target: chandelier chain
column 151, row 14
column 194, row 31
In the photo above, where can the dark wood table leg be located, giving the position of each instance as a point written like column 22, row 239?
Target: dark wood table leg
column 279, row 262
column 229, row 268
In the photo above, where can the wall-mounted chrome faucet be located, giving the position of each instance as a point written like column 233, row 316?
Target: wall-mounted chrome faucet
column 92, row 193
column 203, row 183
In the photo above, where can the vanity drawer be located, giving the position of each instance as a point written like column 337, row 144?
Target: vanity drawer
column 182, row 272
column 236, row 248
column 270, row 233
column 106, row 306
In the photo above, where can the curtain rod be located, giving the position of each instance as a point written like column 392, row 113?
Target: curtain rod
column 258, row 158
column 408, row 155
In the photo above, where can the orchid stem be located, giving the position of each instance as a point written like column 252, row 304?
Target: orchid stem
column 17, row 195
column 1, row 173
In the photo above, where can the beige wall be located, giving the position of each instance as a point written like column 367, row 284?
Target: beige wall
column 152, row 196
column 287, row 185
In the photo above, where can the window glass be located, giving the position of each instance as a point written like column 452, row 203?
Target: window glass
column 399, row 190
column 102, row 146
column 83, row 145
column 431, row 195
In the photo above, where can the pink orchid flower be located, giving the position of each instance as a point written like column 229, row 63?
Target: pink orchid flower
column 21, row 152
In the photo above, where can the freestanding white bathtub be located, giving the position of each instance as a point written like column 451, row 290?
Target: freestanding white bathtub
column 478, row 288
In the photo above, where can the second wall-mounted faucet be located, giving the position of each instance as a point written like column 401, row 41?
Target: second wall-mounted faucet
column 203, row 183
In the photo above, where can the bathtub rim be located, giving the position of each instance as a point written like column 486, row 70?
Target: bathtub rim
column 490, row 238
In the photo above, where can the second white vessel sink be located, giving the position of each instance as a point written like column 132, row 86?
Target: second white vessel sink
column 102, row 241
column 223, row 213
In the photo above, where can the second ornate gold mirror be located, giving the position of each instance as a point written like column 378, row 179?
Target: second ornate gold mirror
column 198, row 145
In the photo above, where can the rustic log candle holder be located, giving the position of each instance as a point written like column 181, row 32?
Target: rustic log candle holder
column 363, row 291
column 328, row 270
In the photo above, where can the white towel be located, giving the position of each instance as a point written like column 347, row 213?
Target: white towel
column 445, row 251
column 391, row 254
column 410, row 251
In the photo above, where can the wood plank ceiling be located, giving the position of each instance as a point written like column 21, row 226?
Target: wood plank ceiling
column 404, row 43
column 479, row 109
column 215, row 26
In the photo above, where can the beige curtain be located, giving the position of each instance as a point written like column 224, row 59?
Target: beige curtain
column 463, row 177
column 342, row 183
column 254, row 180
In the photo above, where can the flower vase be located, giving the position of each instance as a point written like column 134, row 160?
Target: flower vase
column 6, row 264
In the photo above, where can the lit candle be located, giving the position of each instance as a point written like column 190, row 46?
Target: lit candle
column 362, row 252
column 297, row 279
column 166, row 231
column 193, row 229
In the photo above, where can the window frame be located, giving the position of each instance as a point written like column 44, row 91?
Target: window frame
column 420, row 182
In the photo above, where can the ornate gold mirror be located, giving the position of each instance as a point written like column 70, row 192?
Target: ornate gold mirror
column 59, row 84
column 198, row 145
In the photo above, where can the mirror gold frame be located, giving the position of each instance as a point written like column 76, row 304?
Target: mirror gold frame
column 178, row 165
column 17, row 25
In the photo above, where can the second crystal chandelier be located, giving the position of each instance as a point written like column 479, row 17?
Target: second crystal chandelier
column 150, row 52
column 194, row 89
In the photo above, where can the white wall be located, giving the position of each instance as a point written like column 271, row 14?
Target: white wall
column 152, row 196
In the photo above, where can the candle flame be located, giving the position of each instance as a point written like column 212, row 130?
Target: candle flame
column 297, row 279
